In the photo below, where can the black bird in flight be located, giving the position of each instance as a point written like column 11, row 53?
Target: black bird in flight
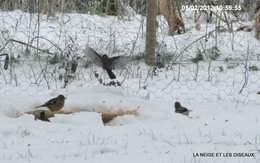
column 107, row 63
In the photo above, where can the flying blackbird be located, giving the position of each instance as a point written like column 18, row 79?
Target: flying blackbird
column 43, row 117
column 108, row 63
column 54, row 104
column 180, row 109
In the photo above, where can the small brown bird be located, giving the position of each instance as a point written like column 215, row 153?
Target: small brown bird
column 180, row 109
column 54, row 104
column 43, row 117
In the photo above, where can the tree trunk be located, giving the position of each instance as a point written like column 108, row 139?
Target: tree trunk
column 150, row 32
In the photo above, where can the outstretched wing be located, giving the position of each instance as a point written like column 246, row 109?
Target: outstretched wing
column 94, row 56
column 119, row 62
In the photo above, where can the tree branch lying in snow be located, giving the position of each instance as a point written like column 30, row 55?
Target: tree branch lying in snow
column 106, row 116
column 26, row 44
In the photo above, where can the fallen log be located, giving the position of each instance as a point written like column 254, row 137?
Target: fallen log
column 106, row 116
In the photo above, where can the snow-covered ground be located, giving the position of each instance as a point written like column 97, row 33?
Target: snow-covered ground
column 222, row 120
column 156, row 135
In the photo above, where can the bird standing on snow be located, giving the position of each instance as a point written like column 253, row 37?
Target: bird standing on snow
column 43, row 117
column 107, row 63
column 54, row 104
column 180, row 109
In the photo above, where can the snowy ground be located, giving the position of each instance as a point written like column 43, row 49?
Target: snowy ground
column 222, row 121
column 156, row 135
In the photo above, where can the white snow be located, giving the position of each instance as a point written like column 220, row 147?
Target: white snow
column 156, row 135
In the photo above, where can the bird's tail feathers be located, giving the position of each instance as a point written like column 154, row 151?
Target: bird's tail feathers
column 39, row 106
column 110, row 74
